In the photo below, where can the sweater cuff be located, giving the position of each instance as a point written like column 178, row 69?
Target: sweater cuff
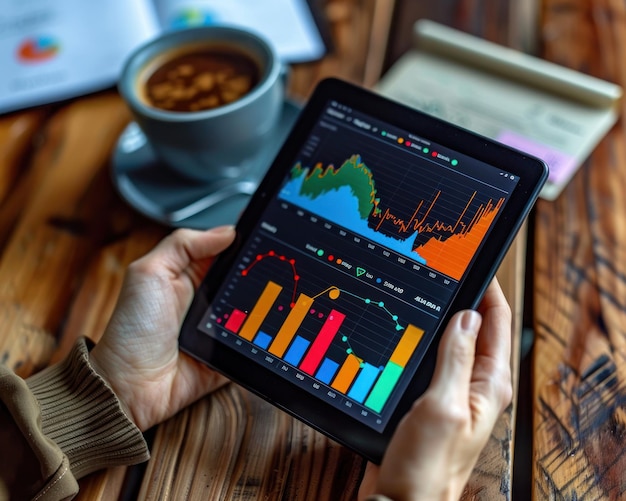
column 82, row 415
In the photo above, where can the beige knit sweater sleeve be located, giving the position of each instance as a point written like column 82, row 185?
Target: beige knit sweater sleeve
column 59, row 425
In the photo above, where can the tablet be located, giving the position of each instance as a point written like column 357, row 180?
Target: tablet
column 373, row 226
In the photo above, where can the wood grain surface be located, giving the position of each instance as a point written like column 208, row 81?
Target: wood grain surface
column 66, row 238
column 579, row 366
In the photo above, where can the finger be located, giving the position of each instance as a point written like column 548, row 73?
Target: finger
column 204, row 244
column 455, row 357
column 203, row 249
column 186, row 248
column 369, row 481
column 494, row 298
column 491, row 380
column 494, row 342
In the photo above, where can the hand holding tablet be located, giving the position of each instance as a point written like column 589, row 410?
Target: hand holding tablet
column 436, row 445
column 373, row 226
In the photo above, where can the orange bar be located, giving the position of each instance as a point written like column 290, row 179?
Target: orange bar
column 405, row 348
column 290, row 325
column 260, row 311
column 346, row 374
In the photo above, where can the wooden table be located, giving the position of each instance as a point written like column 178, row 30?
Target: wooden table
column 66, row 238
column 579, row 364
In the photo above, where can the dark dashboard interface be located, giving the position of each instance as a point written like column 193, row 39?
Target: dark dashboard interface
column 353, row 264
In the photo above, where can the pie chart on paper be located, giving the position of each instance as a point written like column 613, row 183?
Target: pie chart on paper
column 37, row 49
column 193, row 17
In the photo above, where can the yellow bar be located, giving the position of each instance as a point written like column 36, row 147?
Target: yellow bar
column 346, row 374
column 260, row 311
column 291, row 325
column 408, row 342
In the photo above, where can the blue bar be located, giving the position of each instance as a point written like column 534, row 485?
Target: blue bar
column 327, row 370
column 364, row 382
column 262, row 340
column 295, row 353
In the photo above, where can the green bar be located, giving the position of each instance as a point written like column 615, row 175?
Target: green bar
column 382, row 389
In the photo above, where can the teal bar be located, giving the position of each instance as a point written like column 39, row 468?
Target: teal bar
column 383, row 387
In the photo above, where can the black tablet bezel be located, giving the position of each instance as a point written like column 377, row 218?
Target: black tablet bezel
column 341, row 427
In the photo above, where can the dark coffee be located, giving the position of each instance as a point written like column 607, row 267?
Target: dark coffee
column 199, row 78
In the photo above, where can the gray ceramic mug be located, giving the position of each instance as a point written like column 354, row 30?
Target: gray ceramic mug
column 217, row 143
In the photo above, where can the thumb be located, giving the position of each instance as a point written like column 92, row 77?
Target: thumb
column 188, row 250
column 455, row 357
column 205, row 244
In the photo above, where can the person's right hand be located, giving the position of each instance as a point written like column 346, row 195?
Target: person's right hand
column 436, row 445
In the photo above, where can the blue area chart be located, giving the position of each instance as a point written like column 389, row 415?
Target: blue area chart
column 341, row 206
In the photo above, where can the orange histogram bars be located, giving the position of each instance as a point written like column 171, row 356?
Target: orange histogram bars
column 260, row 310
column 290, row 325
column 452, row 255
column 451, row 246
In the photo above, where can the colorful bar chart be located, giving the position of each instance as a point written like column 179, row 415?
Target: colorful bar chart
column 363, row 382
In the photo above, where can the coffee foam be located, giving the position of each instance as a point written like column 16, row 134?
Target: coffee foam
column 197, row 77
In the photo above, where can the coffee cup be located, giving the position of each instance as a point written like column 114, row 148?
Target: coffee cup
column 206, row 98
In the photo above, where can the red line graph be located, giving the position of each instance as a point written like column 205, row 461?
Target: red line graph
column 291, row 262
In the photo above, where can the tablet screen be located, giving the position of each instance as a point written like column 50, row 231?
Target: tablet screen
column 354, row 262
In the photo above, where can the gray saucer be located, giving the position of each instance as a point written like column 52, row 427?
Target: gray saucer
column 169, row 198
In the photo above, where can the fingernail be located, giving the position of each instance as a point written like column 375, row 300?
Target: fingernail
column 470, row 320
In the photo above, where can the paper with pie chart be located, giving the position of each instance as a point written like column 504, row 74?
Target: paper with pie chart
column 50, row 51
column 55, row 50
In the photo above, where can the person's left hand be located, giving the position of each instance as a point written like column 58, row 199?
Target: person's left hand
column 138, row 354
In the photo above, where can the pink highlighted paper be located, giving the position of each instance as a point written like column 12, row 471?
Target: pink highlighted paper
column 561, row 165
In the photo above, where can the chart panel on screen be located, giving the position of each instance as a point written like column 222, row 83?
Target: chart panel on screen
column 429, row 218
column 355, row 344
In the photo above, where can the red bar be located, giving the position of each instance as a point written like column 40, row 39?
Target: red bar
column 322, row 342
column 235, row 321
